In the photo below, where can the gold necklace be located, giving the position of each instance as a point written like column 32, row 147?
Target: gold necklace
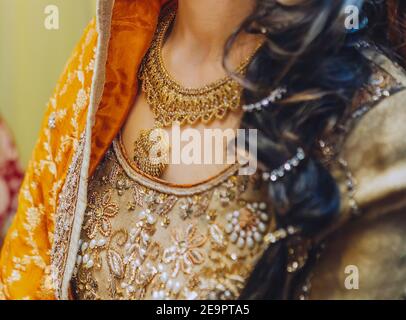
column 171, row 103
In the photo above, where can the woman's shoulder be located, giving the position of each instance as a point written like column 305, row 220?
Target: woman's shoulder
column 367, row 152
column 373, row 150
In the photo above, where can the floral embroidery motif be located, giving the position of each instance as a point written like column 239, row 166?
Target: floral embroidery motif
column 88, row 285
column 137, row 242
column 186, row 251
column 247, row 225
column 100, row 209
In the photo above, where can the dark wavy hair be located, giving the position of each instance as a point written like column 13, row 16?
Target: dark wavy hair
column 397, row 27
column 308, row 50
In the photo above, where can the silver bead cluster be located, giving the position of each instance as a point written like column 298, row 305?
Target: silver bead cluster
column 280, row 172
column 275, row 95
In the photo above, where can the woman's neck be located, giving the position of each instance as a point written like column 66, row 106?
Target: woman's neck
column 206, row 25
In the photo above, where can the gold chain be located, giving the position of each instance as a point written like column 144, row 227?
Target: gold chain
column 172, row 103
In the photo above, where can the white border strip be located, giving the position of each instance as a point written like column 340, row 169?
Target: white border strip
column 103, row 23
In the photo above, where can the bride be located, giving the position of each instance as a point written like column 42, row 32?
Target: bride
column 99, row 219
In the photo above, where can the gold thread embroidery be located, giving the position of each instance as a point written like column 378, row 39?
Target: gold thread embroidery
column 100, row 209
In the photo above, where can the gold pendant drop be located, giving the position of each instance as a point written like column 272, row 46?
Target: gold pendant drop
column 151, row 152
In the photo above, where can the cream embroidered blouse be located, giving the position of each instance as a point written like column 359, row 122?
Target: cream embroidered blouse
column 145, row 239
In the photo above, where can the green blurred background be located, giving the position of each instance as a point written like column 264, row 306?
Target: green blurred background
column 32, row 58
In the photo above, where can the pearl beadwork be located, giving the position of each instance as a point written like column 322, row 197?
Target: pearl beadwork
column 247, row 226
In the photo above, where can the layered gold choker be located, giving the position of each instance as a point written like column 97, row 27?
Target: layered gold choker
column 171, row 103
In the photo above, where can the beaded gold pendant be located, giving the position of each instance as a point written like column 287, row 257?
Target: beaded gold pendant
column 152, row 152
